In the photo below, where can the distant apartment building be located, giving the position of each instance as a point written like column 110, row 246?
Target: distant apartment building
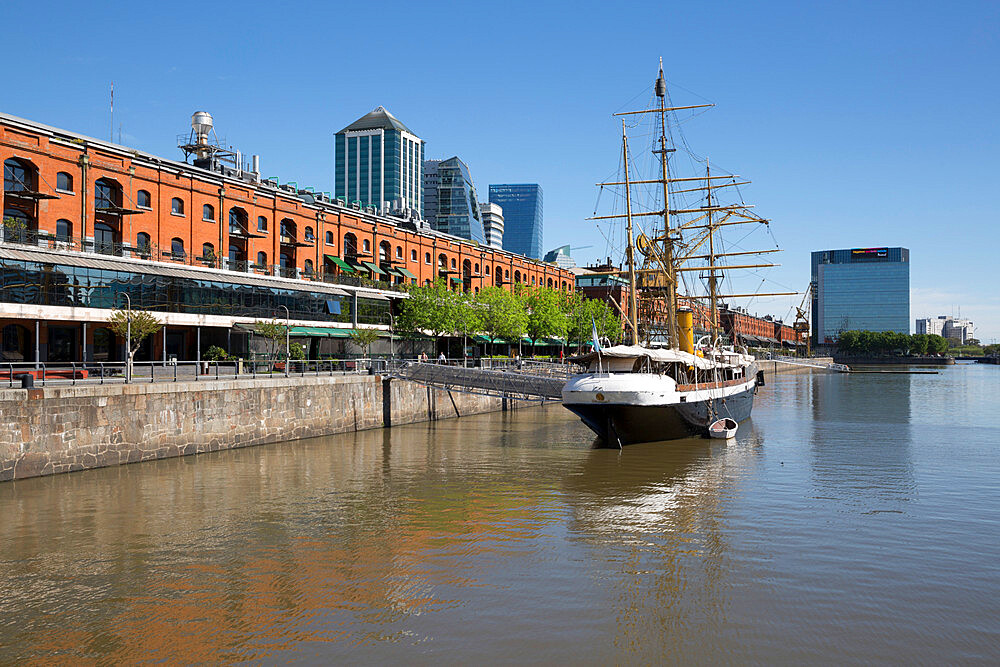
column 522, row 211
column 379, row 163
column 492, row 224
column 860, row 288
column 960, row 330
column 930, row 325
column 451, row 204
column 560, row 257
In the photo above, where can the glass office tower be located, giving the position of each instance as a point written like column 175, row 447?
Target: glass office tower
column 379, row 163
column 450, row 201
column 860, row 288
column 522, row 216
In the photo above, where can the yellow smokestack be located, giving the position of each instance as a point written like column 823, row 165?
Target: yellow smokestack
column 685, row 323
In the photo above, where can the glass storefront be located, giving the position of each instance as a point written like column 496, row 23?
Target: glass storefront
column 45, row 284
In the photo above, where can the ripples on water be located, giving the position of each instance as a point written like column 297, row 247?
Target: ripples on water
column 855, row 520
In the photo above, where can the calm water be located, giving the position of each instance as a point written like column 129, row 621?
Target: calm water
column 856, row 520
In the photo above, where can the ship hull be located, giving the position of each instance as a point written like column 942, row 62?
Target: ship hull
column 640, row 419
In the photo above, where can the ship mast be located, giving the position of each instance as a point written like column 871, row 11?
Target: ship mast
column 712, row 291
column 668, row 250
column 633, row 307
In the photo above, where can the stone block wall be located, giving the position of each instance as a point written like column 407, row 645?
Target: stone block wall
column 62, row 429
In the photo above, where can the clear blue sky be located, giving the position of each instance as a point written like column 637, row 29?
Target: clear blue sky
column 859, row 123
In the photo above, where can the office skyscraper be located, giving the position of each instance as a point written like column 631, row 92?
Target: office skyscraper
column 862, row 289
column 522, row 215
column 451, row 204
column 379, row 163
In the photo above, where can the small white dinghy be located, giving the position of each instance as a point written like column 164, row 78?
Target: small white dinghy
column 723, row 428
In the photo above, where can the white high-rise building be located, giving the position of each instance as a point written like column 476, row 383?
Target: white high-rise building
column 947, row 326
column 492, row 223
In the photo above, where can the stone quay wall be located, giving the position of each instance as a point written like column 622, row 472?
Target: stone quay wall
column 68, row 428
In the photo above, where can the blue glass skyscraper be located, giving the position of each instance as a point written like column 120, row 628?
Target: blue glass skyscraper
column 522, row 215
column 451, row 204
column 379, row 162
column 860, row 289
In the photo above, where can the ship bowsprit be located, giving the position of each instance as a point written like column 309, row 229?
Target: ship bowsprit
column 531, row 383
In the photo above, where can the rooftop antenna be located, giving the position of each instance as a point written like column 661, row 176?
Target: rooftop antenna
column 111, row 133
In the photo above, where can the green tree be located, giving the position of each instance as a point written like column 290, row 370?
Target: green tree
column 585, row 313
column 547, row 316
column 936, row 344
column 468, row 316
column 363, row 337
column 432, row 308
column 502, row 314
column 139, row 324
column 273, row 333
column 920, row 343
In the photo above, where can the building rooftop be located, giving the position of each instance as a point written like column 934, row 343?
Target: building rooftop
column 379, row 119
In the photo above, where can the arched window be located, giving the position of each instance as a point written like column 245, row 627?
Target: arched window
column 329, row 238
column 442, row 262
column 18, row 176
column 549, row 283
column 454, row 264
column 384, row 249
column 64, row 182
column 564, row 285
column 476, row 270
column 367, row 246
column 177, row 248
column 350, row 245
column 506, row 275
column 427, row 258
column 399, row 252
column 237, row 220
column 143, row 200
column 208, row 253
column 261, row 259
column 413, row 255
column 532, row 280
column 64, row 230
column 261, row 223
column 177, row 206
column 308, row 267
column 208, row 213
column 308, row 234
column 17, row 225
column 498, row 277
column 287, row 228
column 107, row 194
column 517, row 276
column 486, row 268
column 142, row 243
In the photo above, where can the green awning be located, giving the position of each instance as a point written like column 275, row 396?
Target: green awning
column 344, row 266
column 319, row 332
column 457, row 281
column 374, row 267
column 406, row 273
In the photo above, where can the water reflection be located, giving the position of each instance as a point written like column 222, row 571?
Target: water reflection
column 655, row 518
column 861, row 440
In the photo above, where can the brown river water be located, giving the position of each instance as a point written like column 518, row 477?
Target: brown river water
column 855, row 520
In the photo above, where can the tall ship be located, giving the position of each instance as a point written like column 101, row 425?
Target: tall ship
column 663, row 384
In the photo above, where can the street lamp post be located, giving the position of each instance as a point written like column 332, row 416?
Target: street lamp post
column 128, row 337
column 288, row 349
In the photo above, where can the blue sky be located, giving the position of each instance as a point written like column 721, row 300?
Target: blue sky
column 859, row 123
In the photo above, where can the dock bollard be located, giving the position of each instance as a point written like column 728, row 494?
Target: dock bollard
column 27, row 381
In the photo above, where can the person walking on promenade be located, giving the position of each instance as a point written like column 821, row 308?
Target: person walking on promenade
column 442, row 359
